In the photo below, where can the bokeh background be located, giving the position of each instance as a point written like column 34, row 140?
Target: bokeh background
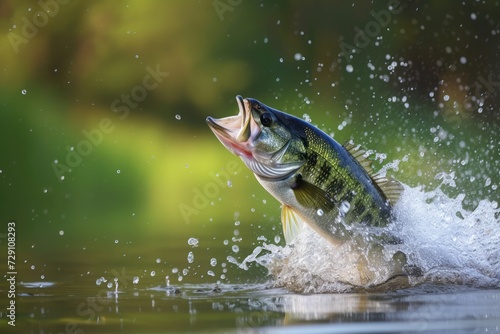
column 421, row 89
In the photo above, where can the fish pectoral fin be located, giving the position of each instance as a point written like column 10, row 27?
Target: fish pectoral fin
column 292, row 221
column 311, row 196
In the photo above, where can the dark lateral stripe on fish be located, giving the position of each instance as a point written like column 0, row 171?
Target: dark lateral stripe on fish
column 335, row 187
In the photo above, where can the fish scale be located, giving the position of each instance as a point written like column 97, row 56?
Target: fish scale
column 322, row 168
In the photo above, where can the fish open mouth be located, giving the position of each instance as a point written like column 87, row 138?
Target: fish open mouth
column 235, row 132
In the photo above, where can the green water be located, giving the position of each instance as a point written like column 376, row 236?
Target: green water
column 78, row 305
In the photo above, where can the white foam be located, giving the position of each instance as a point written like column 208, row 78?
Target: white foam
column 447, row 242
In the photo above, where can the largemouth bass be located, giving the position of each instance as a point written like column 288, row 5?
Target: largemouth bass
column 330, row 187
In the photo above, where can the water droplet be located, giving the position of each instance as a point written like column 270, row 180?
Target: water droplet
column 153, row 273
column 344, row 208
column 488, row 182
column 213, row 262
column 297, row 56
column 473, row 16
column 463, row 60
column 214, row 79
column 236, row 223
column 136, row 56
column 193, row 242
column 190, row 257
column 61, row 232
column 349, row 68
column 229, row 183
column 178, row 117
column 158, row 260
column 24, row 92
column 319, row 212
column 277, row 239
column 45, row 190
column 211, row 273
column 118, row 171
column 116, row 241
column 175, row 270
column 235, row 248
column 32, row 267
column 109, row 285
column 135, row 280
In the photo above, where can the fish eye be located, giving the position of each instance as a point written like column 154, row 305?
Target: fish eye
column 266, row 119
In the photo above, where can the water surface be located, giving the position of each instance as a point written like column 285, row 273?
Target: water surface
column 76, row 306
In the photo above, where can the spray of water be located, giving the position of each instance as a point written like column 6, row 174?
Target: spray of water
column 444, row 242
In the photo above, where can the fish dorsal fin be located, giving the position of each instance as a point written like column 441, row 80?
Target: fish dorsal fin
column 311, row 196
column 292, row 221
column 390, row 187
column 360, row 154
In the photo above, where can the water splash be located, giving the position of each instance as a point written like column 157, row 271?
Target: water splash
column 448, row 245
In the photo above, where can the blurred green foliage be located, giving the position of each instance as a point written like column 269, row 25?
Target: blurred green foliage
column 404, row 92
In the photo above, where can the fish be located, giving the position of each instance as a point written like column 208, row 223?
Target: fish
column 329, row 187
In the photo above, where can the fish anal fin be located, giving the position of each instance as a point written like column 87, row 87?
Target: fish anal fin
column 311, row 196
column 390, row 187
column 292, row 221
